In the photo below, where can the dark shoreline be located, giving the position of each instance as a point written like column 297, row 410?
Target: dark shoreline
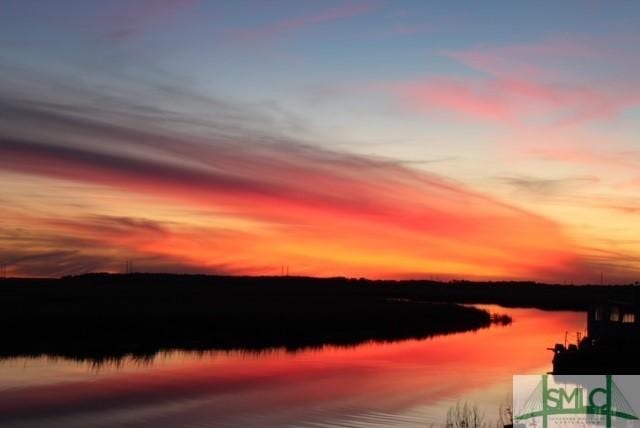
column 100, row 317
column 106, row 316
column 523, row 294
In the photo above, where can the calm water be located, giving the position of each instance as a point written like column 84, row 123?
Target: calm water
column 404, row 384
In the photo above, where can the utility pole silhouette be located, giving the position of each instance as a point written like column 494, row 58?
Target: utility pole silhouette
column 128, row 267
column 3, row 271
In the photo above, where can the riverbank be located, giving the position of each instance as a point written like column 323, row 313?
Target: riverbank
column 109, row 316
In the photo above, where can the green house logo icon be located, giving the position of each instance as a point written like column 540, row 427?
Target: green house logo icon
column 548, row 400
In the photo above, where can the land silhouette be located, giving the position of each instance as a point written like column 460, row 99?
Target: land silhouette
column 107, row 316
column 102, row 316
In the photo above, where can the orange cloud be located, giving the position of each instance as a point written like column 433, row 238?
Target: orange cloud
column 277, row 201
column 325, row 213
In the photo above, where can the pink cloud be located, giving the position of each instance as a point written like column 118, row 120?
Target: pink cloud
column 513, row 102
column 582, row 154
column 539, row 85
column 455, row 96
column 516, row 102
column 527, row 60
column 142, row 15
column 270, row 31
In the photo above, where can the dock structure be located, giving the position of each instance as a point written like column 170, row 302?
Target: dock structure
column 612, row 342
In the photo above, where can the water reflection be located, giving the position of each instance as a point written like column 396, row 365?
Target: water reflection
column 403, row 384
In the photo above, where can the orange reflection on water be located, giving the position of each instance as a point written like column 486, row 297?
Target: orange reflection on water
column 406, row 383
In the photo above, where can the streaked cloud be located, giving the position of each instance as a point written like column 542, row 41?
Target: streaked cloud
column 525, row 85
column 139, row 16
column 546, row 187
column 269, row 31
column 173, row 133
column 324, row 211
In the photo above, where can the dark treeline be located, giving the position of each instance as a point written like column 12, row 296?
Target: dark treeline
column 517, row 294
column 101, row 316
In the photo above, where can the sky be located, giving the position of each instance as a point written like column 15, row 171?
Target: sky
column 442, row 140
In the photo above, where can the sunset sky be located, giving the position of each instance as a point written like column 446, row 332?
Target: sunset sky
column 384, row 139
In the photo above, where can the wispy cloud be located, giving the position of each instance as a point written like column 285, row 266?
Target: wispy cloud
column 346, row 10
column 530, row 85
column 599, row 154
column 538, row 59
column 547, row 187
column 140, row 16
column 336, row 213
column 515, row 102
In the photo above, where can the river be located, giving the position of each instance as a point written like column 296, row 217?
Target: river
column 409, row 383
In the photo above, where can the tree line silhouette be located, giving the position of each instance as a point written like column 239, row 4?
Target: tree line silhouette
column 102, row 316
